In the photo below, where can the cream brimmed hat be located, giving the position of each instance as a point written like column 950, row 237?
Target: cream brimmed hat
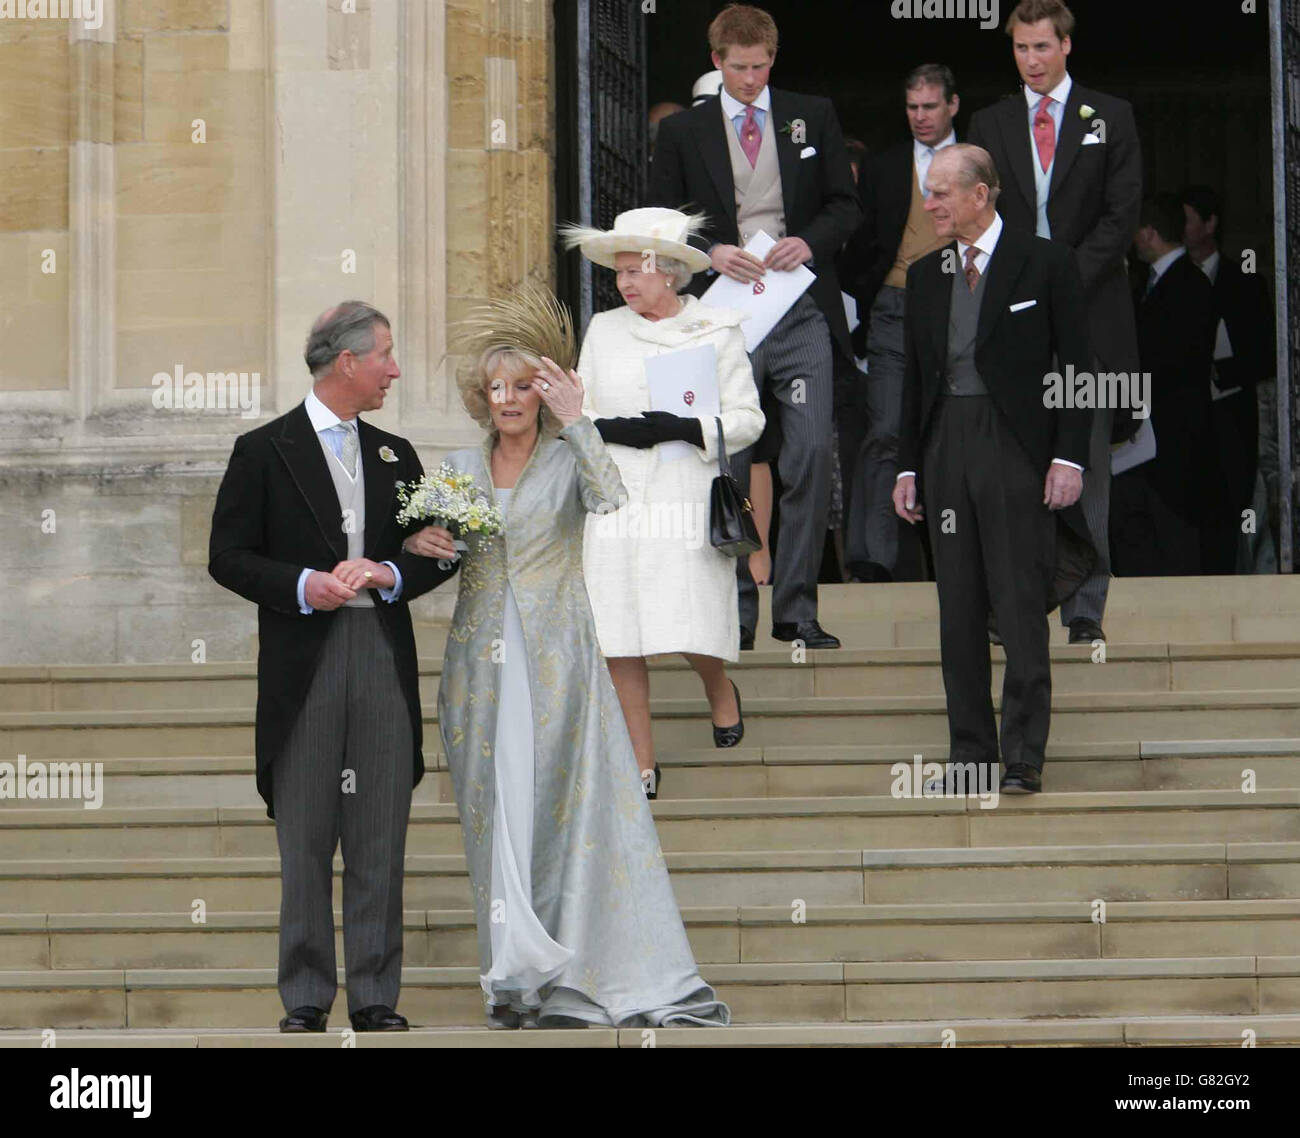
column 652, row 229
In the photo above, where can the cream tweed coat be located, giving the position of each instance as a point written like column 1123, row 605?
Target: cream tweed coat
column 656, row 584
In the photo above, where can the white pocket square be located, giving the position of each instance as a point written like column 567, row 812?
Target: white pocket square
column 1023, row 305
column 1091, row 140
column 807, row 152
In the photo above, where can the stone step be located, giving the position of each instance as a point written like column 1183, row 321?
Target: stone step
column 692, row 825
column 760, row 772
column 816, row 992
column 766, row 674
column 1101, row 1031
column 1205, row 871
column 804, row 721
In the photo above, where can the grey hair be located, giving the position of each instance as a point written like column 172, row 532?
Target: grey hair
column 974, row 165
column 347, row 327
column 679, row 272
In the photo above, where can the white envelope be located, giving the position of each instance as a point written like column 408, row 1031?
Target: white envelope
column 684, row 383
column 766, row 306
column 1139, row 449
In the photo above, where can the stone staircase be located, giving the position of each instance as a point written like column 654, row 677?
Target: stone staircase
column 1150, row 896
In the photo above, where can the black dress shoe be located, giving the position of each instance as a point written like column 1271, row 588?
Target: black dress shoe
column 305, row 1018
column 650, row 783
column 809, row 631
column 730, row 736
column 1085, row 631
column 994, row 636
column 378, row 1017
column 1022, row 779
column 746, row 639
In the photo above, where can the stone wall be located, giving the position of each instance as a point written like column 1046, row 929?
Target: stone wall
column 199, row 179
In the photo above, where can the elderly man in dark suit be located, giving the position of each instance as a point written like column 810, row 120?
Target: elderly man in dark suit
column 305, row 527
column 895, row 232
column 1071, row 165
column 997, row 464
column 756, row 158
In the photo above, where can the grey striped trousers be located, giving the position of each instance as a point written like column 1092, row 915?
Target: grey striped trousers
column 794, row 363
column 344, row 777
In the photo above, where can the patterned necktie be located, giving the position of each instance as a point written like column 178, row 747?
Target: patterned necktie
column 749, row 139
column 972, row 272
column 350, row 447
column 1045, row 133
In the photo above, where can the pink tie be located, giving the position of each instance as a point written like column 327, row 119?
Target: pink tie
column 749, row 139
column 1045, row 133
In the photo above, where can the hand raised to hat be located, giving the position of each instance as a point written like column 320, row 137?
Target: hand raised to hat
column 561, row 393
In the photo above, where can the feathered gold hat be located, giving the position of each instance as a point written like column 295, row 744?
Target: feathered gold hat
column 652, row 229
column 529, row 319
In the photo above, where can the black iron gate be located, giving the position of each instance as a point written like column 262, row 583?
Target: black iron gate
column 1286, row 164
column 602, row 149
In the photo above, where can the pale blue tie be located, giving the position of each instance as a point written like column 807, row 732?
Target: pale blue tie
column 351, row 445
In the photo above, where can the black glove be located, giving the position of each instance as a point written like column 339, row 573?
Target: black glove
column 651, row 428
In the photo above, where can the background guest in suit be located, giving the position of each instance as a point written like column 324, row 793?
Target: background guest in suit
column 1245, row 356
column 896, row 231
column 760, row 158
column 987, row 318
column 305, row 527
column 1159, row 506
column 1072, row 168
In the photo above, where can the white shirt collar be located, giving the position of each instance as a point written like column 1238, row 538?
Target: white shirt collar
column 986, row 242
column 1160, row 266
column 322, row 418
column 920, row 150
column 733, row 107
column 1210, row 266
column 1060, row 93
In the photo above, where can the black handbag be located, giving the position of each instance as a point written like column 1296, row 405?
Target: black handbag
column 731, row 517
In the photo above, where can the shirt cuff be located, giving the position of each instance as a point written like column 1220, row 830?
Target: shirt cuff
column 395, row 593
column 1067, row 462
column 906, row 474
column 303, row 606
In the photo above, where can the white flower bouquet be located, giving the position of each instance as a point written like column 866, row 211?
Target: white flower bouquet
column 449, row 498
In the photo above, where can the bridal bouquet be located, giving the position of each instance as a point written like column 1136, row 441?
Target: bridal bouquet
column 448, row 498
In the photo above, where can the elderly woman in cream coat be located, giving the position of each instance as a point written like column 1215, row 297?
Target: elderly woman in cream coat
column 656, row 583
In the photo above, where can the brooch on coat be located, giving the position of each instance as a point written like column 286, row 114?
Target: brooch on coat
column 697, row 325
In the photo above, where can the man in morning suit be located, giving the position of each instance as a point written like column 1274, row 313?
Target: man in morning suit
column 1071, row 167
column 993, row 464
column 305, row 527
column 1158, row 507
column 1245, row 355
column 896, row 231
column 756, row 158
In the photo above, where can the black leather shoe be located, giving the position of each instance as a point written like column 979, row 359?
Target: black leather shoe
column 303, row 1019
column 1022, row 779
column 810, row 632
column 746, row 639
column 650, row 783
column 994, row 636
column 378, row 1017
column 730, row 736
column 1085, row 631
